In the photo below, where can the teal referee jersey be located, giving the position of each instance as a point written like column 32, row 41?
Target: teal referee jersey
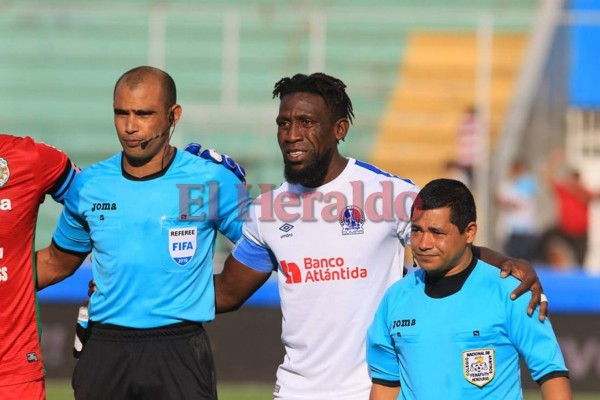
column 462, row 346
column 152, row 240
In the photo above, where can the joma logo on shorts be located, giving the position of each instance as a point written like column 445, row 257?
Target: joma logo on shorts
column 104, row 206
column 404, row 322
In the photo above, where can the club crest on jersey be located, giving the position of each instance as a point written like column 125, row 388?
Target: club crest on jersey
column 182, row 244
column 479, row 366
column 352, row 220
column 4, row 171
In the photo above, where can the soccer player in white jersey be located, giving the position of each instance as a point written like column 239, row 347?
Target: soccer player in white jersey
column 335, row 231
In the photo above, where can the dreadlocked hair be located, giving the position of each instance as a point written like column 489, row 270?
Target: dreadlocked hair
column 331, row 89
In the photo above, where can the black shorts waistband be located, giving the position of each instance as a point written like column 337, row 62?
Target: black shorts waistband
column 117, row 332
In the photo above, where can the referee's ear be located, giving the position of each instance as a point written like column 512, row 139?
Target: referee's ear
column 470, row 232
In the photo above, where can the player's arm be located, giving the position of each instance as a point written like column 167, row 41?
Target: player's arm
column 381, row 392
column 56, row 171
column 520, row 269
column 558, row 388
column 235, row 284
column 55, row 264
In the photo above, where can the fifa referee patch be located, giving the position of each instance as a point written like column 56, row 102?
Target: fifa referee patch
column 182, row 244
column 479, row 366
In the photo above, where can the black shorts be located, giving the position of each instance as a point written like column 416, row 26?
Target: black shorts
column 174, row 362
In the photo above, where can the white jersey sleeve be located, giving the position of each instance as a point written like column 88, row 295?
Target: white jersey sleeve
column 251, row 250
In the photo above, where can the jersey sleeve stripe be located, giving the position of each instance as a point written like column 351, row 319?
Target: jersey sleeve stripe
column 386, row 383
column 381, row 172
column 73, row 252
column 254, row 256
column 60, row 188
column 554, row 374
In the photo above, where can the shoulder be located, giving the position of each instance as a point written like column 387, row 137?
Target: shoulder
column 379, row 174
column 489, row 276
column 276, row 191
column 208, row 169
column 407, row 284
column 113, row 163
column 10, row 141
column 110, row 166
column 264, row 202
column 14, row 141
column 376, row 179
column 28, row 144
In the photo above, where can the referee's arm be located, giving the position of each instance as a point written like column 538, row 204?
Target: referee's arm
column 384, row 392
column 558, row 388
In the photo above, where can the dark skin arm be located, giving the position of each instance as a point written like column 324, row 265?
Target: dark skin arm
column 380, row 392
column 522, row 270
column 235, row 284
column 53, row 265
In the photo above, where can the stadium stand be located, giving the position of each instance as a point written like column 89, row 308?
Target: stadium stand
column 59, row 61
column 437, row 82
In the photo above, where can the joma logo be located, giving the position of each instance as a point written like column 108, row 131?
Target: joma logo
column 404, row 322
column 104, row 206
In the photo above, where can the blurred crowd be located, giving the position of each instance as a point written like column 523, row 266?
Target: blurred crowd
column 522, row 201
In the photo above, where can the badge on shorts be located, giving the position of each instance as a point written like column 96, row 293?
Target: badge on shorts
column 479, row 366
column 4, row 171
column 182, row 244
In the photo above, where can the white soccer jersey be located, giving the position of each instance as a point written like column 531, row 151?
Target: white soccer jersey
column 337, row 248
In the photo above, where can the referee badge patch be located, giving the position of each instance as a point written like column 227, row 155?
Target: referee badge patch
column 479, row 366
column 182, row 244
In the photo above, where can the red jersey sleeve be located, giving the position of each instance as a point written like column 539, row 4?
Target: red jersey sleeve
column 57, row 171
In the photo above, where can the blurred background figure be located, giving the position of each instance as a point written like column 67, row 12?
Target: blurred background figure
column 565, row 244
column 453, row 170
column 516, row 200
column 467, row 142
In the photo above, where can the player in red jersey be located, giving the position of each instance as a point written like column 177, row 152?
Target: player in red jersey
column 28, row 171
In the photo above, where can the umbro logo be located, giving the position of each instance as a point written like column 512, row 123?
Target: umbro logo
column 286, row 227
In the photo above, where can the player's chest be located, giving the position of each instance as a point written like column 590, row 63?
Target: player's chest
column 137, row 201
column 19, row 194
column 338, row 233
column 466, row 315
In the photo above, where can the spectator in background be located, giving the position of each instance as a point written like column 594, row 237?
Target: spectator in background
column 467, row 141
column 453, row 170
column 572, row 200
column 28, row 172
column 516, row 198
